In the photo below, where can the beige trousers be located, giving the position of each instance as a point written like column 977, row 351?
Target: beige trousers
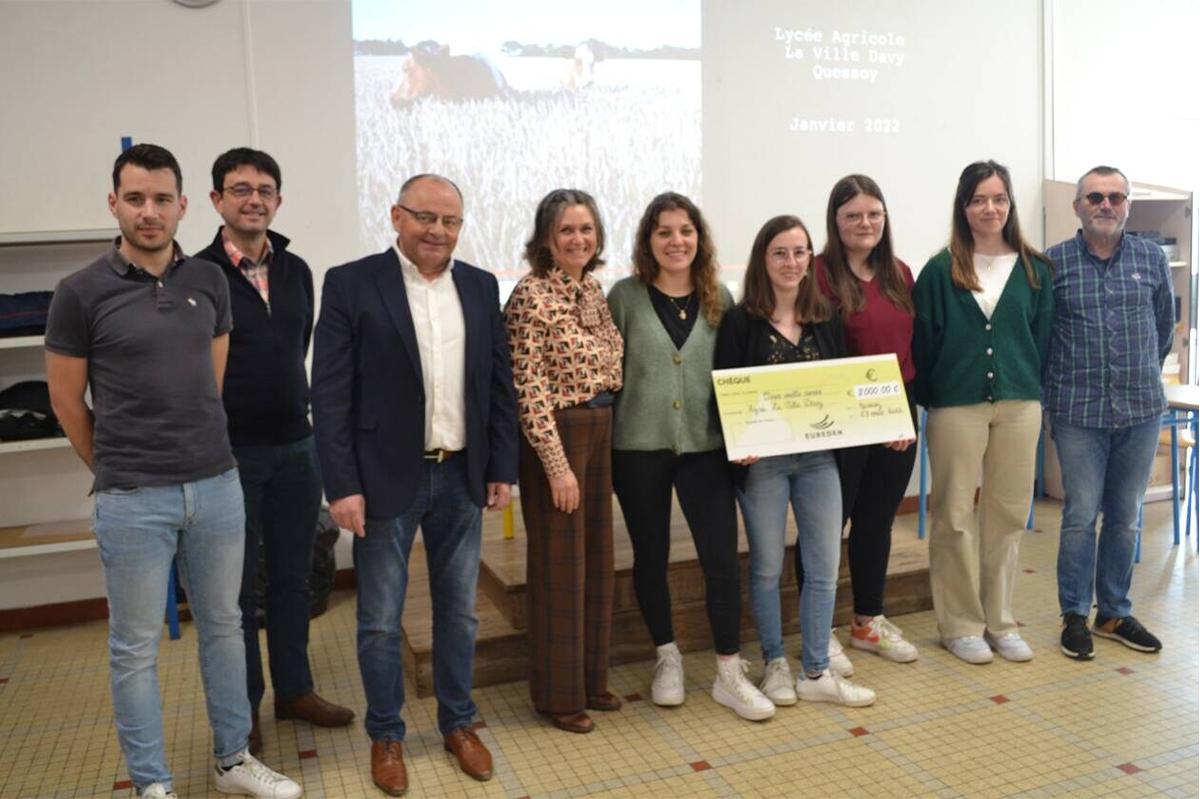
column 973, row 556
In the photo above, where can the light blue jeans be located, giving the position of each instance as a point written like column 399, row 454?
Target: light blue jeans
column 202, row 526
column 1103, row 471
column 809, row 481
column 451, row 528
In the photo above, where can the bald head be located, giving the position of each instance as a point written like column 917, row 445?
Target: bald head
column 424, row 177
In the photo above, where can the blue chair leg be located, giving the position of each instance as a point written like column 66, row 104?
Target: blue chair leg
column 1175, row 472
column 1193, row 500
column 172, row 605
column 923, row 480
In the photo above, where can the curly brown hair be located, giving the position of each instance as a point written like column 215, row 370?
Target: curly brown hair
column 704, row 265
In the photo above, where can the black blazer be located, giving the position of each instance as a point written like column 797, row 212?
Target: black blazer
column 742, row 341
column 368, row 397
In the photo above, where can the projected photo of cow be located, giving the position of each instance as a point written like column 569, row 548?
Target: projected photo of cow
column 518, row 105
column 428, row 70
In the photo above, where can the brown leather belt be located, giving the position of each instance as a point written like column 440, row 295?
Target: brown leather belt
column 440, row 455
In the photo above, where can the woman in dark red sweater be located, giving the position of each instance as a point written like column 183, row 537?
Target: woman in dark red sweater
column 872, row 290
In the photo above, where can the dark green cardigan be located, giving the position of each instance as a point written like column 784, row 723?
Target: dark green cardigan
column 964, row 359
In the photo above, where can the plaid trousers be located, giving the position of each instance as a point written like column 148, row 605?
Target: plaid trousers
column 570, row 566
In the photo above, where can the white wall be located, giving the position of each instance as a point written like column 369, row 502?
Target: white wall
column 77, row 75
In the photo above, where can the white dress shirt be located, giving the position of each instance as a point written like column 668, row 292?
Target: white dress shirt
column 441, row 341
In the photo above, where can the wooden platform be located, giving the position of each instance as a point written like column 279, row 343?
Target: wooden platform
column 501, row 654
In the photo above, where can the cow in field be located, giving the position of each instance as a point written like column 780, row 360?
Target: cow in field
column 428, row 70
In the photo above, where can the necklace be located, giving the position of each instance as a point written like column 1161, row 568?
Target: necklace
column 681, row 310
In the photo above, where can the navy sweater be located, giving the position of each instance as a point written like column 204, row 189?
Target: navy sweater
column 266, row 383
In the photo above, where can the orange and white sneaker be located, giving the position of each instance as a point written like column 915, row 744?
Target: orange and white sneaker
column 882, row 637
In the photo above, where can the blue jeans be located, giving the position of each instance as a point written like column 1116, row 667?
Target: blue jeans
column 809, row 481
column 1103, row 471
column 451, row 528
column 282, row 487
column 139, row 531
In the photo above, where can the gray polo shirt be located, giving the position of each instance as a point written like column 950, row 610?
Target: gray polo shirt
column 148, row 342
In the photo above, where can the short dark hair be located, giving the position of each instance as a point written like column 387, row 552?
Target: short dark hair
column 244, row 156
column 549, row 211
column 149, row 157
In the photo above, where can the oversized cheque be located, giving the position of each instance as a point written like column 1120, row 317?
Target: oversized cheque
column 800, row 407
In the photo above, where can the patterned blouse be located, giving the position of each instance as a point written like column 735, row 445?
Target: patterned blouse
column 781, row 350
column 565, row 350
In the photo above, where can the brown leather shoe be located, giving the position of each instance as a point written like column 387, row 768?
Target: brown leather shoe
column 312, row 708
column 473, row 757
column 387, row 767
column 606, row 701
column 255, row 734
column 573, row 722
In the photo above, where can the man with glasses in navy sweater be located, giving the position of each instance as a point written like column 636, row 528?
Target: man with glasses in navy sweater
column 266, row 401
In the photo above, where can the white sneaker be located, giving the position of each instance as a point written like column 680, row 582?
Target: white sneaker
column 667, row 688
column 252, row 778
column 884, row 638
column 156, row 790
column 777, row 683
column 830, row 687
column 734, row 691
column 839, row 662
column 1010, row 646
column 970, row 648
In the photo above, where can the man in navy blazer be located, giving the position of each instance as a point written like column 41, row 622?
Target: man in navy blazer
column 416, row 426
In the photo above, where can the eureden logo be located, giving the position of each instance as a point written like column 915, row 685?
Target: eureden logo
column 824, row 423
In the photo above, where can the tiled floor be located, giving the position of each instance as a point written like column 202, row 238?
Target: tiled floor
column 1124, row 724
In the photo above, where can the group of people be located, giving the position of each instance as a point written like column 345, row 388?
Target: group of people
column 430, row 400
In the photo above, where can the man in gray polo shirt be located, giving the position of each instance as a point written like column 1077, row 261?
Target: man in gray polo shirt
column 148, row 330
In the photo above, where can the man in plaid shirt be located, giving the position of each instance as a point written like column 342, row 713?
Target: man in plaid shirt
column 1115, row 317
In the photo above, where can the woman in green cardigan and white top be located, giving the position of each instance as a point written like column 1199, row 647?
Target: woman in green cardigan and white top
column 985, row 307
column 666, row 435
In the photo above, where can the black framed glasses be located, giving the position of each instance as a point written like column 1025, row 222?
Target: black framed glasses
column 242, row 191
column 429, row 218
column 1114, row 198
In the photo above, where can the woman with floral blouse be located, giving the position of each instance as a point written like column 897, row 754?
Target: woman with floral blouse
column 566, row 355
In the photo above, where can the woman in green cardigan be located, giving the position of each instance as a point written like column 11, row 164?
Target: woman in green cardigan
column 985, row 307
column 666, row 435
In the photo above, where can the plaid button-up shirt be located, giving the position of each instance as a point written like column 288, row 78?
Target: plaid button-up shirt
column 255, row 271
column 1114, row 324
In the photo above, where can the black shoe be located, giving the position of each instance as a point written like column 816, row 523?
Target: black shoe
column 1128, row 631
column 1076, row 640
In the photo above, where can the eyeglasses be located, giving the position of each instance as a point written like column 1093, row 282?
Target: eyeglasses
column 856, row 218
column 242, row 191
column 429, row 219
column 1114, row 198
column 782, row 255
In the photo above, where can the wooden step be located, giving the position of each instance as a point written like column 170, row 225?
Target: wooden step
column 501, row 653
